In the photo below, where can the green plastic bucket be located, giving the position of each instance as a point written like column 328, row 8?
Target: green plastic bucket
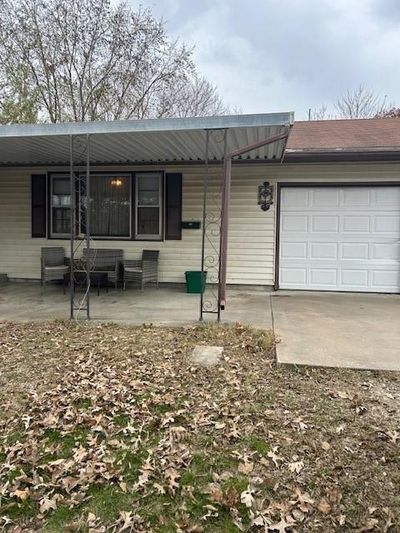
column 195, row 281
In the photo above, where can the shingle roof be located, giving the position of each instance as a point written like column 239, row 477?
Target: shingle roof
column 359, row 135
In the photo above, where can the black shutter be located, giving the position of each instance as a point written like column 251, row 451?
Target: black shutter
column 39, row 205
column 173, row 206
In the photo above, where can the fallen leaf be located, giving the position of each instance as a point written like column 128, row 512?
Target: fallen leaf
column 296, row 467
column 246, row 498
column 274, row 456
column 22, row 494
column 393, row 436
column 324, row 506
column 46, row 504
column 245, row 468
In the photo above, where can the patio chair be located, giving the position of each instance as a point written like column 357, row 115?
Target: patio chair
column 142, row 271
column 53, row 264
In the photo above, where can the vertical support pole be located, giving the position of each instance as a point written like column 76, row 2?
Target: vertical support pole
column 88, row 226
column 73, row 222
column 225, row 201
column 225, row 229
column 203, row 236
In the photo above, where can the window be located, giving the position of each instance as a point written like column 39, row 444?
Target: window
column 60, row 217
column 122, row 206
column 110, row 206
column 148, row 208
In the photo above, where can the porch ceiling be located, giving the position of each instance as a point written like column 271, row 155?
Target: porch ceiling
column 141, row 141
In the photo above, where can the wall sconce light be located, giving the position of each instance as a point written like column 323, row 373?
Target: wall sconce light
column 265, row 196
column 116, row 182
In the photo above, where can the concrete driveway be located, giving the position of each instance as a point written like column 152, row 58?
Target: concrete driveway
column 337, row 329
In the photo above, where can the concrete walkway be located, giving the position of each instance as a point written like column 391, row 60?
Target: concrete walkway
column 337, row 329
column 320, row 329
column 166, row 306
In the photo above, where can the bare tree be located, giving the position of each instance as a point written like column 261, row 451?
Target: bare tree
column 193, row 97
column 18, row 101
column 93, row 60
column 320, row 113
column 393, row 112
column 360, row 103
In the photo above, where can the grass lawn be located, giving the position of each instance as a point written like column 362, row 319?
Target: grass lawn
column 112, row 428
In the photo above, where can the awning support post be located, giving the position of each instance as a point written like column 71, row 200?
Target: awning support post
column 73, row 224
column 203, row 233
column 211, row 230
column 226, row 193
column 88, row 259
column 76, row 188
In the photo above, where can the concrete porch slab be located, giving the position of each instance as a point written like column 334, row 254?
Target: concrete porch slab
column 337, row 329
column 168, row 306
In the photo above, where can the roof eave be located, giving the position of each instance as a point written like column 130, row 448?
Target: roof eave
column 293, row 156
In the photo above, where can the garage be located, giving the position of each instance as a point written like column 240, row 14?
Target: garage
column 339, row 237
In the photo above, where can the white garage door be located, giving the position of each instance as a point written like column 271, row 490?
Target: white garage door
column 340, row 238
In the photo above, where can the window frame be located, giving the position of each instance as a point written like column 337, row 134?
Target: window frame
column 132, row 211
column 161, row 207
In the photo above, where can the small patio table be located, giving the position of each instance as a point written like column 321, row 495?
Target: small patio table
column 97, row 279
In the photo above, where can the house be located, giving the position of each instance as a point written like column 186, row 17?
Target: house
column 334, row 223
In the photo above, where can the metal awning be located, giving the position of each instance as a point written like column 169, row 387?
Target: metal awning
column 177, row 140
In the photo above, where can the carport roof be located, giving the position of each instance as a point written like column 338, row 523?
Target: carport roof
column 174, row 140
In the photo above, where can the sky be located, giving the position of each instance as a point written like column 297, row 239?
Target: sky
column 289, row 55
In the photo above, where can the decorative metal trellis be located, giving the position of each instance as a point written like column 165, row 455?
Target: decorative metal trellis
column 211, row 229
column 80, row 222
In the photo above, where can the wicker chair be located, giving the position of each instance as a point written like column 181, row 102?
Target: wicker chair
column 142, row 271
column 53, row 264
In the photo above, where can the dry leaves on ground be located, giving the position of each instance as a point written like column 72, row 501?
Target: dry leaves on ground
column 129, row 435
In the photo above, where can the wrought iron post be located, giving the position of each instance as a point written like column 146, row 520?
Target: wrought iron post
column 79, row 184
column 211, row 234
column 73, row 224
column 203, row 235
column 87, row 226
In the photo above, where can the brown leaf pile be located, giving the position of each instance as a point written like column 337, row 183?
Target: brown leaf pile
column 129, row 435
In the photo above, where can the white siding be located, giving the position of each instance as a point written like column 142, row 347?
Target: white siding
column 251, row 231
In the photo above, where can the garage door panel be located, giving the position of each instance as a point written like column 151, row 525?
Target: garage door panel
column 387, row 197
column 356, row 278
column 340, row 238
column 356, row 224
column 294, row 250
column 354, row 197
column 296, row 198
column 324, row 223
column 354, row 250
column 295, row 276
column 386, row 278
column 295, row 223
column 323, row 277
column 385, row 251
column 323, row 198
column 387, row 224
column 323, row 250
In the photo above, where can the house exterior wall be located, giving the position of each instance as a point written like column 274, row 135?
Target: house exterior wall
column 251, row 231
